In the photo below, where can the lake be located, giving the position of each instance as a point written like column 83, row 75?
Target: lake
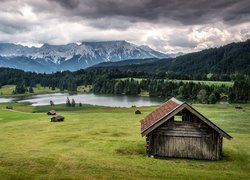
column 101, row 100
column 2, row 100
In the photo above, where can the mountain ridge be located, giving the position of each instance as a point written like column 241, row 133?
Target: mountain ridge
column 71, row 56
column 227, row 59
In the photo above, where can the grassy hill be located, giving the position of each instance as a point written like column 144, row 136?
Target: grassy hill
column 7, row 90
column 104, row 143
column 210, row 83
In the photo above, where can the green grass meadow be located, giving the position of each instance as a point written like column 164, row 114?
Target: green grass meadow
column 210, row 83
column 105, row 143
column 7, row 91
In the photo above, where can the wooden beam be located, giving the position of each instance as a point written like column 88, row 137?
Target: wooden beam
column 192, row 110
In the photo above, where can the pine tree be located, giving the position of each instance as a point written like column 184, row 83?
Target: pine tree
column 119, row 87
column 20, row 88
column 72, row 87
column 212, row 98
column 68, row 102
column 51, row 103
column 31, row 89
column 73, row 103
column 202, row 96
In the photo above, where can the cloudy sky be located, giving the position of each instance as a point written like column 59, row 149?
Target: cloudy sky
column 165, row 25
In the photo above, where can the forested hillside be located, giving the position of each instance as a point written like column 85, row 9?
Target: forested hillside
column 229, row 59
column 133, row 83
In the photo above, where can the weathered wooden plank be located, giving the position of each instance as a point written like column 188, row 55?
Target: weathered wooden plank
column 189, row 131
column 184, row 132
column 190, row 138
column 185, row 147
column 172, row 134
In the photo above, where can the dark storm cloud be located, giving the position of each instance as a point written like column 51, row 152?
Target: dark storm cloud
column 69, row 4
column 12, row 20
column 175, row 25
column 12, row 28
column 186, row 12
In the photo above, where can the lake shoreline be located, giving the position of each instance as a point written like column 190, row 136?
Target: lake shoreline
column 87, row 98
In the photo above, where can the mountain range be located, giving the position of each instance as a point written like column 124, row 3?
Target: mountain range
column 74, row 56
column 228, row 59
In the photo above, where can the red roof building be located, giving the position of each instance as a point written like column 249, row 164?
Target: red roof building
column 176, row 129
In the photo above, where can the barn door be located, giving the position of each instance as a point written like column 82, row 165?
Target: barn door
column 186, row 147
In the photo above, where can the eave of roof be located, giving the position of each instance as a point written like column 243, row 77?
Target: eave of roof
column 177, row 109
column 210, row 123
column 160, row 113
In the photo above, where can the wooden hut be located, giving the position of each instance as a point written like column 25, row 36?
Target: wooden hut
column 57, row 119
column 9, row 107
column 175, row 129
column 238, row 106
column 137, row 111
column 51, row 112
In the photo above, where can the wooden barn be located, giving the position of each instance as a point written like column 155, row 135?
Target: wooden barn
column 175, row 129
column 9, row 107
column 51, row 112
column 137, row 111
column 57, row 119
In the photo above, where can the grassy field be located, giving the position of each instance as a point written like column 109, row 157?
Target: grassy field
column 104, row 143
column 7, row 91
column 210, row 83
column 84, row 89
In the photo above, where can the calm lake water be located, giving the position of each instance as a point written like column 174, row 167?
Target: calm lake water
column 2, row 100
column 102, row 100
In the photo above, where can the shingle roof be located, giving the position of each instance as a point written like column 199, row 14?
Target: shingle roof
column 156, row 118
column 159, row 113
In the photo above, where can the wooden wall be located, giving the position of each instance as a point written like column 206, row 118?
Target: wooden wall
column 189, row 138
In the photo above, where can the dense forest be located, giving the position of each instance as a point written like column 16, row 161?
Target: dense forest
column 134, row 83
column 188, row 91
column 229, row 59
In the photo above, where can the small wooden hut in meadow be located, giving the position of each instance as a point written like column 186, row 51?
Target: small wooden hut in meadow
column 238, row 106
column 57, row 119
column 51, row 112
column 9, row 107
column 137, row 111
column 176, row 129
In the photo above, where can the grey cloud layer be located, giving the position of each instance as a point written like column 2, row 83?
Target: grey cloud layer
column 121, row 14
column 69, row 4
column 176, row 25
column 187, row 12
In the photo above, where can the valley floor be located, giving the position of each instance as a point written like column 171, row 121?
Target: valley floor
column 105, row 143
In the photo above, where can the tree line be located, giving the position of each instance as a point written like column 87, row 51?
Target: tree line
column 188, row 91
column 123, row 82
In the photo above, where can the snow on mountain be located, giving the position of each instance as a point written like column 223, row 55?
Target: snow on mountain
column 74, row 56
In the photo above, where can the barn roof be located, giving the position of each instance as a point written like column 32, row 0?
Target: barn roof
column 168, row 110
column 59, row 117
